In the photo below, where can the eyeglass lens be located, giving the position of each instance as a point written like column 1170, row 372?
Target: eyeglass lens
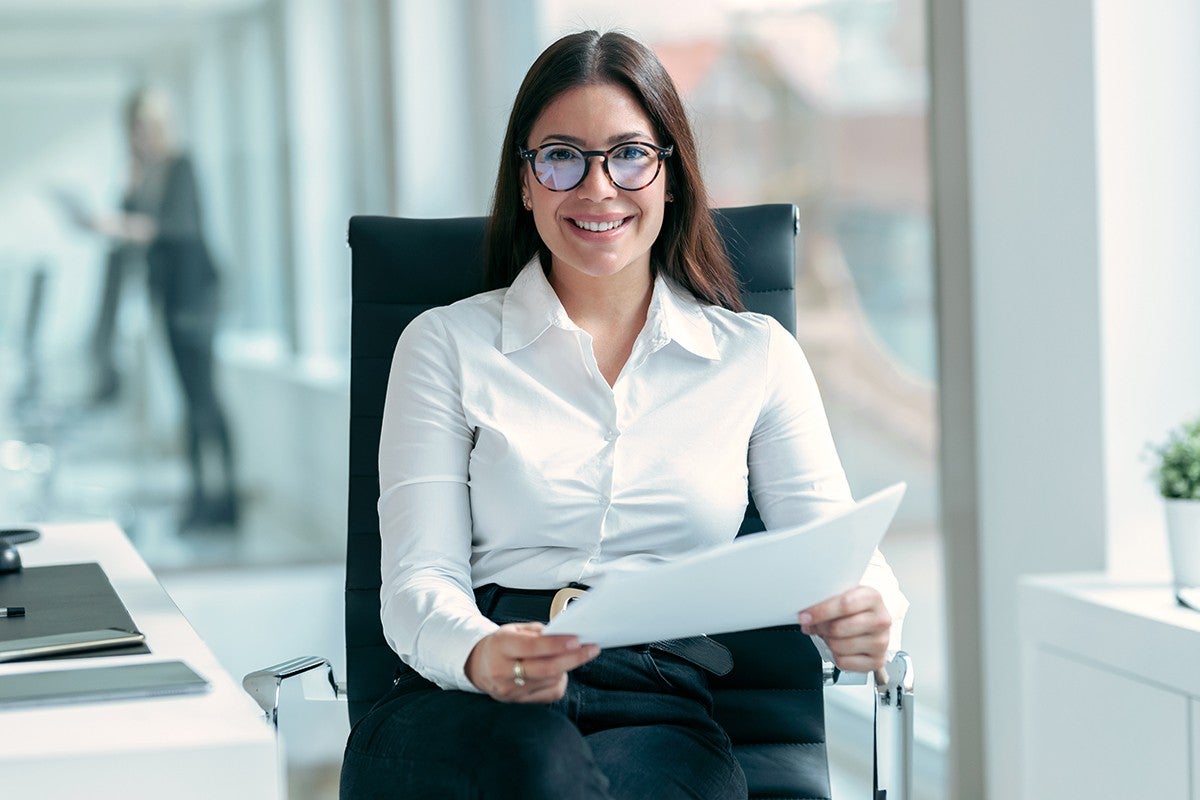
column 630, row 166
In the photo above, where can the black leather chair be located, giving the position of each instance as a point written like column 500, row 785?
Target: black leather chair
column 771, row 704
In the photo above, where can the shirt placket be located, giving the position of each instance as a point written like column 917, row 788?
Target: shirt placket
column 606, row 416
column 613, row 423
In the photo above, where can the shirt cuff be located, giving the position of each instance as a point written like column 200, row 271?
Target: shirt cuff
column 451, row 671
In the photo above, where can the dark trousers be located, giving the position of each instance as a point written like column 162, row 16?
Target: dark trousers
column 634, row 723
column 185, row 287
column 190, row 335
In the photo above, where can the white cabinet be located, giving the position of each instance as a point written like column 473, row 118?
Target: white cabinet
column 1111, row 677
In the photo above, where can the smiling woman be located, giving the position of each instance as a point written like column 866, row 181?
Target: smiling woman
column 558, row 430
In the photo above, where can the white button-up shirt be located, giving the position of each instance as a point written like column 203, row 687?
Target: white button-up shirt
column 505, row 456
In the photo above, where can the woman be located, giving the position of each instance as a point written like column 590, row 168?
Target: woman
column 160, row 215
column 605, row 408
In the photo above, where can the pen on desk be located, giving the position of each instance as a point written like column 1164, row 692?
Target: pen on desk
column 12, row 611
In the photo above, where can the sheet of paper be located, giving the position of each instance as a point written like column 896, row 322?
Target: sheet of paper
column 754, row 582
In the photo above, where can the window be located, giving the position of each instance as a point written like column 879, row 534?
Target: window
column 824, row 104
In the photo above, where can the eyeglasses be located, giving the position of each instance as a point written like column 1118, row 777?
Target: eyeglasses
column 629, row 165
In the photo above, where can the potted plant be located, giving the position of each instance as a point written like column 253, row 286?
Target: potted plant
column 1177, row 473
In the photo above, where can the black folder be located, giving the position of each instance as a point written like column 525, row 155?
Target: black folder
column 64, row 598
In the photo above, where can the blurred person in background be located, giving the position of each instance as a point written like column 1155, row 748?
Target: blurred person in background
column 160, row 221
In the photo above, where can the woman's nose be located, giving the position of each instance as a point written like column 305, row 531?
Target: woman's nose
column 596, row 184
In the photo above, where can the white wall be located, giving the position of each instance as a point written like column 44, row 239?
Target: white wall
column 1148, row 137
column 1081, row 128
column 1036, row 297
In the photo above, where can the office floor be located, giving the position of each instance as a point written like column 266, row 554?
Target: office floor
column 313, row 782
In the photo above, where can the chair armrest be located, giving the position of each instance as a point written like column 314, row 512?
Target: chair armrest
column 263, row 685
column 893, row 722
column 835, row 676
column 894, row 728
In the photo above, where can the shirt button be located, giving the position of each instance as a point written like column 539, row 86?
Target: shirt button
column 611, row 435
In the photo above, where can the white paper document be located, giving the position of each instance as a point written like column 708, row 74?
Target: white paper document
column 753, row 582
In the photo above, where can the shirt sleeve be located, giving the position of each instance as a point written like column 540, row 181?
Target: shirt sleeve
column 795, row 473
column 427, row 605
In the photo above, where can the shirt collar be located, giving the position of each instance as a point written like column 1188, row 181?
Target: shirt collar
column 531, row 307
column 680, row 318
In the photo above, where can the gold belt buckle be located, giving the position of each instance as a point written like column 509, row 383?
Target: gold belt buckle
column 563, row 597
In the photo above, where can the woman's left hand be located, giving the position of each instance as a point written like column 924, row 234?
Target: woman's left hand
column 857, row 627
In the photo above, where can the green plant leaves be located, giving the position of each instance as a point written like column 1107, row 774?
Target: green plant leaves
column 1177, row 468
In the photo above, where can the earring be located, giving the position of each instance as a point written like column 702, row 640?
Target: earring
column 525, row 202
column 670, row 197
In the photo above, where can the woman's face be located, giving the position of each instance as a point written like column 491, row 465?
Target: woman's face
column 595, row 117
column 148, row 139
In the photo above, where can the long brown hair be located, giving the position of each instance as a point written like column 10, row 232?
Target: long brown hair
column 688, row 248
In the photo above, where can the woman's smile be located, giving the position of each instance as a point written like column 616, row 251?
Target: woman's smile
column 607, row 225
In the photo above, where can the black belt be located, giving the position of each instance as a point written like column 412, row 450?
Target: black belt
column 532, row 604
column 536, row 604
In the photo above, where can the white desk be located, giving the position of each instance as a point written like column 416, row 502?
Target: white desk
column 1111, row 689
column 215, row 745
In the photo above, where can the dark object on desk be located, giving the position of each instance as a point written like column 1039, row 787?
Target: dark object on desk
column 64, row 598
column 10, row 559
column 12, row 611
column 100, row 683
column 58, row 644
column 19, row 535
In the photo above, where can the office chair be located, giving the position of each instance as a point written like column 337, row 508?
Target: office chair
column 771, row 704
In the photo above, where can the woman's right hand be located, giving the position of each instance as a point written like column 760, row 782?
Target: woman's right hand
column 517, row 654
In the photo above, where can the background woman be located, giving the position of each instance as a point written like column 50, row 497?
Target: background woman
column 160, row 214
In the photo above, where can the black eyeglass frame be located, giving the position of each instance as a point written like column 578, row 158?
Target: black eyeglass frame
column 530, row 155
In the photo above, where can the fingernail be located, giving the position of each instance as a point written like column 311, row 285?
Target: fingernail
column 593, row 650
column 805, row 618
column 572, row 644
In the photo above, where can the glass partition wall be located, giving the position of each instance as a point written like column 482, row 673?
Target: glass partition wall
column 140, row 391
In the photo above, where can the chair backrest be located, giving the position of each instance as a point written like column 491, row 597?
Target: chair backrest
column 771, row 704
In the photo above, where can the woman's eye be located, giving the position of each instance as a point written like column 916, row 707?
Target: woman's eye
column 631, row 152
column 559, row 154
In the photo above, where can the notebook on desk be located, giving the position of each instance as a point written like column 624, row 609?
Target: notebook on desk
column 64, row 598
column 122, row 682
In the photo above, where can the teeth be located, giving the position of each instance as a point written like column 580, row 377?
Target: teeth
column 597, row 226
